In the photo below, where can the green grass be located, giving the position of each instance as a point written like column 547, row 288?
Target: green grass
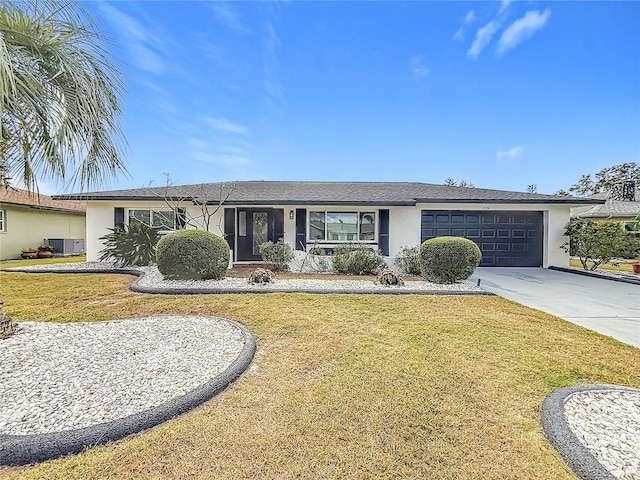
column 346, row 386
column 622, row 266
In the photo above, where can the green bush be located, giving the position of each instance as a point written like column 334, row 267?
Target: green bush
column 132, row 246
column 408, row 260
column 357, row 259
column 448, row 259
column 193, row 254
column 598, row 241
column 276, row 256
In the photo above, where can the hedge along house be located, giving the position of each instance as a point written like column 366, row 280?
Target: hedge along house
column 511, row 228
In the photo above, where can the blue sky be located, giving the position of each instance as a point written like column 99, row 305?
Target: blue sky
column 502, row 94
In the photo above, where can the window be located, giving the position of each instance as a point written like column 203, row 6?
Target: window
column 3, row 220
column 342, row 226
column 162, row 219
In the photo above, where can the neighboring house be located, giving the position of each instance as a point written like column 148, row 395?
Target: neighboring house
column 511, row 228
column 624, row 208
column 28, row 220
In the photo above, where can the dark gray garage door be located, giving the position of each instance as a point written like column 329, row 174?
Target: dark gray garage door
column 506, row 239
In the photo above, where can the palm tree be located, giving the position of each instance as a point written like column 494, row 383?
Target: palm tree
column 60, row 96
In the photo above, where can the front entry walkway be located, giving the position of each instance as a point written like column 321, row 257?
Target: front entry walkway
column 608, row 307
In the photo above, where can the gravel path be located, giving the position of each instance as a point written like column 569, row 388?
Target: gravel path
column 56, row 377
column 607, row 423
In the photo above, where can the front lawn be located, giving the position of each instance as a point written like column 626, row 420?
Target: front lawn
column 346, row 386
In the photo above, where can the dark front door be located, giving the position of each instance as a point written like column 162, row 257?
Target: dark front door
column 505, row 238
column 255, row 227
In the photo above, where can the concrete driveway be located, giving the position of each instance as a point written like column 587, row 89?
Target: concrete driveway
column 608, row 307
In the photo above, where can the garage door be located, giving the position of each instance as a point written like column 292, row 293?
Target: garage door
column 505, row 238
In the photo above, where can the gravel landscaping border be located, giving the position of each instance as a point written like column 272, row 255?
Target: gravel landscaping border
column 143, row 284
column 26, row 449
column 558, row 432
column 616, row 277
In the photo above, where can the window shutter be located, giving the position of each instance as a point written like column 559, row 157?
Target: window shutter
column 118, row 217
column 230, row 227
column 383, row 232
column 181, row 218
column 301, row 228
column 278, row 224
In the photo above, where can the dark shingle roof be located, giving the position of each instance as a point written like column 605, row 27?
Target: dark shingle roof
column 609, row 209
column 329, row 193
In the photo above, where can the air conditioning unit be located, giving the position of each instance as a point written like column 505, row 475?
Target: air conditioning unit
column 66, row 246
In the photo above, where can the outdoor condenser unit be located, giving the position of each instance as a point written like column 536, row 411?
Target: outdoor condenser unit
column 66, row 246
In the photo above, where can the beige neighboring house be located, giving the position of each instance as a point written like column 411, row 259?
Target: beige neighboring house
column 624, row 208
column 28, row 220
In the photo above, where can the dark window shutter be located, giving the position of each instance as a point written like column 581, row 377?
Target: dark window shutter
column 118, row 217
column 229, row 226
column 383, row 232
column 301, row 228
column 181, row 218
column 278, row 224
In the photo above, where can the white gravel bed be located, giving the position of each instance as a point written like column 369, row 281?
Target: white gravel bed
column 607, row 423
column 56, row 377
column 153, row 279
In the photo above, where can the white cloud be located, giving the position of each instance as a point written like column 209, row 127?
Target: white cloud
column 417, row 67
column 504, row 5
column 224, row 125
column 272, row 84
column 142, row 45
column 522, row 29
column 470, row 17
column 483, row 37
column 229, row 17
column 511, row 154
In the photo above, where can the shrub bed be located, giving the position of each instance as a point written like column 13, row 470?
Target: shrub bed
column 357, row 259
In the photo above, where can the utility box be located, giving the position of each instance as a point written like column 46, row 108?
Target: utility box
column 66, row 246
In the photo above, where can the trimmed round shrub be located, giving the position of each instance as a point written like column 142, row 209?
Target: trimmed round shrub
column 357, row 259
column 448, row 259
column 192, row 255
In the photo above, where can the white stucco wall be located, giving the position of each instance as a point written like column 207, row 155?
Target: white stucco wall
column 404, row 223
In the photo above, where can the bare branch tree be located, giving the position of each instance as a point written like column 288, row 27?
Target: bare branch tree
column 208, row 202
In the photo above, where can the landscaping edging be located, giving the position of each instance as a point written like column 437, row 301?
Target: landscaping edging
column 558, row 432
column 588, row 273
column 136, row 287
column 25, row 449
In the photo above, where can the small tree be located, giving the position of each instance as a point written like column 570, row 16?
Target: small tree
column 595, row 241
column 451, row 182
column 208, row 202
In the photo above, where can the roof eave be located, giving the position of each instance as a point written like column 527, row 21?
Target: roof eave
column 527, row 201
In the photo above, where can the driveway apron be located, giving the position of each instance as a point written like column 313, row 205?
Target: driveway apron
column 608, row 307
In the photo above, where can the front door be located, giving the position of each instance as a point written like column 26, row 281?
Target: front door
column 255, row 227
